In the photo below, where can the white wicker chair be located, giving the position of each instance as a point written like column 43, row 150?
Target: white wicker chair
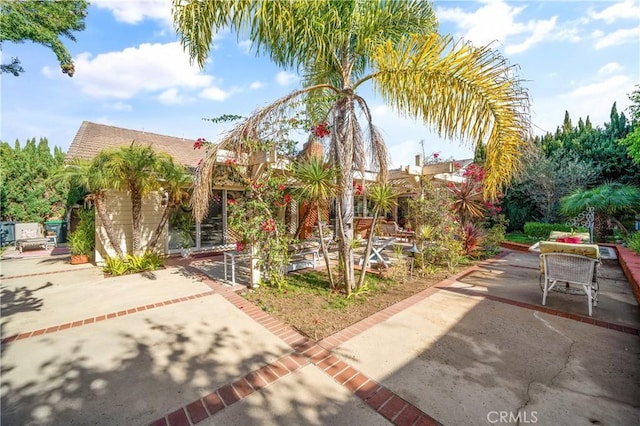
column 572, row 269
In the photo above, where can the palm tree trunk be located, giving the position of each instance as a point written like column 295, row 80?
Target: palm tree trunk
column 344, row 122
column 101, row 209
column 325, row 253
column 136, row 213
column 367, row 250
column 151, row 245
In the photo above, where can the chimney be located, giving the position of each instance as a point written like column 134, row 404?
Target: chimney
column 419, row 160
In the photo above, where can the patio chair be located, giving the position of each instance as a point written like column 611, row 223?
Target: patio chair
column 572, row 269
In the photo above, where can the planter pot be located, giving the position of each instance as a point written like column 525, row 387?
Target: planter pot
column 572, row 240
column 561, row 239
column 77, row 259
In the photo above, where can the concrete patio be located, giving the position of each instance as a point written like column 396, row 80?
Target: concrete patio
column 177, row 347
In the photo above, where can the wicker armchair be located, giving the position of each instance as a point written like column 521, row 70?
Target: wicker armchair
column 572, row 269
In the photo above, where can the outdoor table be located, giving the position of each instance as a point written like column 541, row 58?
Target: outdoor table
column 376, row 249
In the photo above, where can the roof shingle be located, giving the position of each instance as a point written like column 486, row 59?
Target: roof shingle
column 93, row 138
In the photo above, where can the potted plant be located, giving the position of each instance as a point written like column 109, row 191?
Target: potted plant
column 81, row 242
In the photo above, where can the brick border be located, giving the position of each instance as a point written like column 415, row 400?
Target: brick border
column 99, row 318
column 580, row 318
column 12, row 277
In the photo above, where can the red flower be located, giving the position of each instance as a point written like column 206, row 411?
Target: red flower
column 269, row 225
column 321, row 130
column 281, row 187
column 231, row 161
column 239, row 246
column 287, row 198
column 436, row 155
column 231, row 202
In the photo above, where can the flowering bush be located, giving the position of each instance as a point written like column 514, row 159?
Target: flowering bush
column 321, row 130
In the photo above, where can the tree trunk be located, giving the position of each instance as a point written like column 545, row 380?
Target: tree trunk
column 344, row 122
column 151, row 245
column 367, row 250
column 136, row 214
column 325, row 253
column 101, row 209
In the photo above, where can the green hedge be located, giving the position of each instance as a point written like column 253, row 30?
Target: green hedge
column 542, row 230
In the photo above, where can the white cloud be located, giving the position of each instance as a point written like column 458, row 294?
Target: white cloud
column 497, row 21
column 284, row 78
column 621, row 36
column 610, row 68
column 256, row 85
column 119, row 106
column 135, row 11
column 147, row 68
column 593, row 99
column 171, row 97
column 493, row 21
column 245, row 46
column 214, row 94
column 627, row 9
column 540, row 31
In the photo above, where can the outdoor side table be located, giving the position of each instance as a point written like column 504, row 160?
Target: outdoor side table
column 232, row 257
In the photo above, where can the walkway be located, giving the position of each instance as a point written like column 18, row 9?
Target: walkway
column 176, row 348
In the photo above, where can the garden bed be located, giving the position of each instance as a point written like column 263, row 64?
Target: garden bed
column 307, row 304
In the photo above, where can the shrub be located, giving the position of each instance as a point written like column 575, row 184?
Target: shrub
column 633, row 242
column 132, row 264
column 542, row 230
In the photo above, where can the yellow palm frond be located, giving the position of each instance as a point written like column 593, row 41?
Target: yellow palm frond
column 460, row 91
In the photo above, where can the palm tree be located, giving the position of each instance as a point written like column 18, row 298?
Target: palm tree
column 95, row 179
column 316, row 183
column 140, row 170
column 384, row 199
column 175, row 181
column 459, row 89
column 608, row 201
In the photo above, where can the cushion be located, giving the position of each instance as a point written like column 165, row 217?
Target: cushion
column 584, row 236
column 588, row 250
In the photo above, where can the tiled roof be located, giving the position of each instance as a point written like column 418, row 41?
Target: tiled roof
column 93, row 138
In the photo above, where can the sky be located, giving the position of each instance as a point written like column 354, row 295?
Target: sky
column 131, row 72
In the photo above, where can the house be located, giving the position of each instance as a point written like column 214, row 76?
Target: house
column 211, row 234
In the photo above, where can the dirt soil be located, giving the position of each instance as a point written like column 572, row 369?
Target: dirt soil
column 319, row 314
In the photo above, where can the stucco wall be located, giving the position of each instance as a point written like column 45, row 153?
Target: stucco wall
column 119, row 210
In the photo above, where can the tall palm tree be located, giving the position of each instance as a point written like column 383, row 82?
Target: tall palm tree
column 315, row 182
column 95, row 179
column 458, row 89
column 384, row 199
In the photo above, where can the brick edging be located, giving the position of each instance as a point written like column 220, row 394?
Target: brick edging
column 630, row 263
column 514, row 246
column 99, row 318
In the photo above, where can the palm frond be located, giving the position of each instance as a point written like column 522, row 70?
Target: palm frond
column 461, row 91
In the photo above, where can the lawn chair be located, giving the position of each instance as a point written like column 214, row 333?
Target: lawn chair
column 572, row 269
